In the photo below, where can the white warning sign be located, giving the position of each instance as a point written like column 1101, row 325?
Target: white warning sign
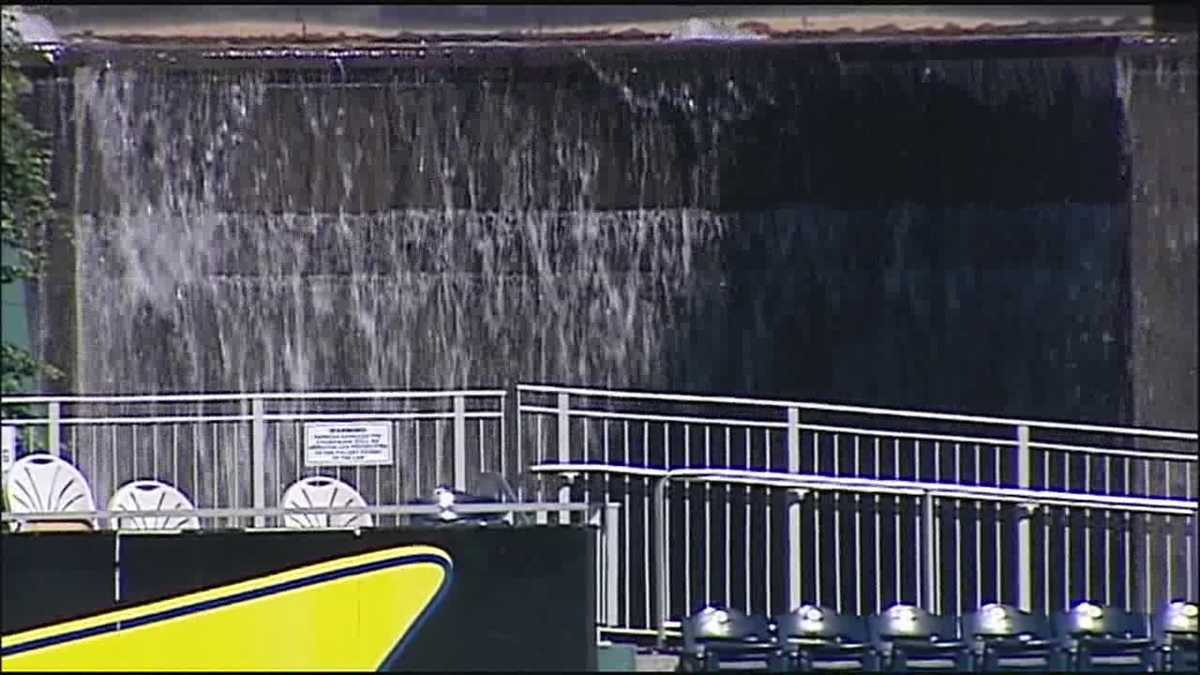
column 347, row 443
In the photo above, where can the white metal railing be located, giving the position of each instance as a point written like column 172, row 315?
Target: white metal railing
column 233, row 452
column 802, row 485
column 763, row 503
column 1035, row 513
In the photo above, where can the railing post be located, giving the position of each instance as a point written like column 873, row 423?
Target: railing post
column 116, row 562
column 54, row 428
column 502, row 463
column 930, row 568
column 1024, row 524
column 460, row 443
column 612, row 559
column 1195, row 533
column 659, row 563
column 518, row 456
column 258, row 458
column 793, row 511
column 605, row 515
column 564, row 449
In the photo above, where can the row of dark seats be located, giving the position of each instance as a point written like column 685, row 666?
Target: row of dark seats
column 907, row 638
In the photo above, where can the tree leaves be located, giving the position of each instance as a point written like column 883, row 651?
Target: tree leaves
column 24, row 199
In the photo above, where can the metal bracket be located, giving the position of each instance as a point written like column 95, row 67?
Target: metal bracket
column 798, row 495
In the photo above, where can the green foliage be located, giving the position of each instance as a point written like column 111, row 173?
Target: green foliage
column 24, row 200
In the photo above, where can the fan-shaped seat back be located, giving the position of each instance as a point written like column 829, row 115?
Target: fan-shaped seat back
column 1089, row 619
column 908, row 622
column 317, row 492
column 717, row 633
column 152, row 495
column 997, row 620
column 813, row 622
column 906, row 634
column 1098, row 636
column 1178, row 618
column 716, row 624
column 1176, row 630
column 41, row 482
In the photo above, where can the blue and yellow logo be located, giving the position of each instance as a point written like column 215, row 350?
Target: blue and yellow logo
column 352, row 613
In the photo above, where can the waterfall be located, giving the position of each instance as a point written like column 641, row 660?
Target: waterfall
column 860, row 223
column 244, row 234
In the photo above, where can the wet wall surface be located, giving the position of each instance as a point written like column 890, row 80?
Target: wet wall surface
column 940, row 225
column 1163, row 241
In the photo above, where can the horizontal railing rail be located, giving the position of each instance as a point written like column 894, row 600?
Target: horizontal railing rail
column 390, row 509
column 157, row 419
column 263, row 396
column 863, row 410
column 875, row 486
column 862, row 431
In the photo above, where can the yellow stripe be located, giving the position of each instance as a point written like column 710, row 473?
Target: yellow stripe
column 349, row 623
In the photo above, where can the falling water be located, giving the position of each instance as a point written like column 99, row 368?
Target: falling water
column 250, row 235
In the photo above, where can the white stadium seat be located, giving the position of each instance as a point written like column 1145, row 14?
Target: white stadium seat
column 41, row 482
column 322, row 492
column 152, row 495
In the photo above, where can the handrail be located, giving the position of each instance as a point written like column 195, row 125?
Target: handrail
column 890, row 486
column 148, row 419
column 975, row 492
column 1116, row 452
column 391, row 509
column 831, row 407
column 269, row 417
column 650, row 417
column 586, row 467
column 265, row 396
column 729, row 421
